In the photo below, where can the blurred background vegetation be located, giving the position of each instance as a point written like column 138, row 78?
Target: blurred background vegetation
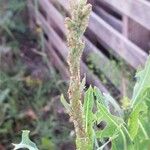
column 29, row 85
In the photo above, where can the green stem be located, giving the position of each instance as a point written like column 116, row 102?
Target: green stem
column 143, row 129
column 127, row 132
column 124, row 140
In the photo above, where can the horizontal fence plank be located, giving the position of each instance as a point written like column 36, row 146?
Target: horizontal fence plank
column 53, row 13
column 138, row 10
column 90, row 49
column 116, row 23
column 62, row 49
column 116, row 41
column 56, row 61
column 51, row 53
column 131, row 53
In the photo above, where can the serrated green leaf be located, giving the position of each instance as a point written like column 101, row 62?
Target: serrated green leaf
column 25, row 142
column 142, row 84
column 88, row 108
column 100, row 97
column 133, row 121
column 103, row 114
column 89, row 115
column 140, row 96
column 113, row 123
column 106, row 100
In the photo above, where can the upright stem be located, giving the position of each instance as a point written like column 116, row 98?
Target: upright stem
column 76, row 26
column 143, row 130
column 124, row 140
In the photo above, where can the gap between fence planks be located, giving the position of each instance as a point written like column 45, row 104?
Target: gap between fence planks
column 138, row 10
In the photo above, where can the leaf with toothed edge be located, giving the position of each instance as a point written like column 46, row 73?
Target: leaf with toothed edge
column 103, row 115
column 142, row 84
column 88, row 108
column 140, row 96
column 25, row 142
column 89, row 115
column 65, row 103
column 133, row 121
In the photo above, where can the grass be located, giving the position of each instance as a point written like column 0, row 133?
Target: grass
column 29, row 91
column 21, row 98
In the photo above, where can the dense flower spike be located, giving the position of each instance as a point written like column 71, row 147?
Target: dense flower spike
column 76, row 26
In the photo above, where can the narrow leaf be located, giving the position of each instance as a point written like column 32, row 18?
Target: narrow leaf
column 83, row 83
column 100, row 97
column 88, row 108
column 142, row 84
column 133, row 124
column 65, row 103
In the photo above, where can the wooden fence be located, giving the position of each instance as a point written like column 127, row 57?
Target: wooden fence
column 117, row 27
